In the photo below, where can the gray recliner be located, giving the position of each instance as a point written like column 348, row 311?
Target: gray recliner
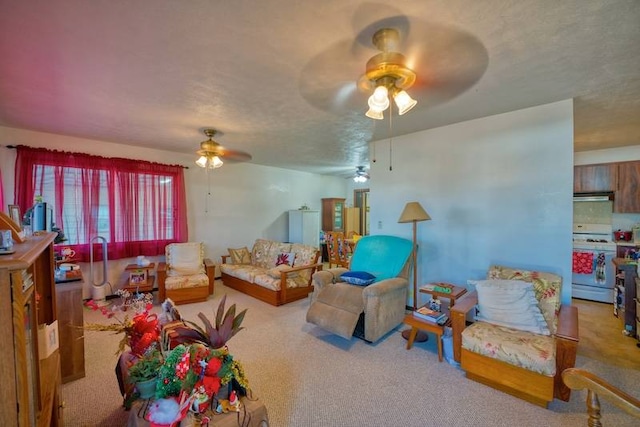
column 367, row 312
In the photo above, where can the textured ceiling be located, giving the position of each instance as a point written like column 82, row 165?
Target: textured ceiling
column 278, row 78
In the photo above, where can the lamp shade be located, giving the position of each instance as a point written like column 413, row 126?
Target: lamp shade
column 413, row 211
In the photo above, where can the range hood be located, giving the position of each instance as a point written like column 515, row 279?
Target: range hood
column 593, row 197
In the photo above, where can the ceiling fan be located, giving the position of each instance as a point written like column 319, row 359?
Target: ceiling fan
column 211, row 152
column 361, row 175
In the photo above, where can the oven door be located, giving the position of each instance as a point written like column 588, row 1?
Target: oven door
column 595, row 283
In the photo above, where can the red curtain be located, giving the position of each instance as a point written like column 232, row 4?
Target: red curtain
column 141, row 205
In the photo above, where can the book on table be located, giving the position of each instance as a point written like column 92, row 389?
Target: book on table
column 430, row 315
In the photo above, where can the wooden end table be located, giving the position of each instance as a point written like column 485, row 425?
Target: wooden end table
column 147, row 286
column 424, row 325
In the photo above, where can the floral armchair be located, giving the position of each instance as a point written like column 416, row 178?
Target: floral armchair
column 186, row 276
column 522, row 339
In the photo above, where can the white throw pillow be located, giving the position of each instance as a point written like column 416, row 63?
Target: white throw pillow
column 510, row 303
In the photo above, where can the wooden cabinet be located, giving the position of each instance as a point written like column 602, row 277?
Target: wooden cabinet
column 627, row 197
column 623, row 178
column 304, row 227
column 352, row 221
column 30, row 392
column 70, row 323
column 595, row 178
column 625, row 294
column 333, row 214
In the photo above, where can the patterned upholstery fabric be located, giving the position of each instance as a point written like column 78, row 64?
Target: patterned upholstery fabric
column 305, row 255
column 241, row 271
column 260, row 253
column 527, row 350
column 546, row 286
column 267, row 281
column 264, row 255
column 178, row 282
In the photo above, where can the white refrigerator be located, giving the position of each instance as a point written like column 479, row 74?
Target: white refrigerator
column 304, row 227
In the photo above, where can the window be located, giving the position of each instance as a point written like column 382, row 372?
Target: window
column 137, row 206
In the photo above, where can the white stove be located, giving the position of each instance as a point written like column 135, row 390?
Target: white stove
column 597, row 237
column 594, row 280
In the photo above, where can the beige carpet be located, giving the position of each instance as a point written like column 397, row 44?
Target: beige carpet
column 307, row 377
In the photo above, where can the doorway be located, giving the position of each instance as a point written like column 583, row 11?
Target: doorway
column 361, row 200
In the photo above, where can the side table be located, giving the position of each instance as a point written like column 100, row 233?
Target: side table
column 149, row 279
column 424, row 325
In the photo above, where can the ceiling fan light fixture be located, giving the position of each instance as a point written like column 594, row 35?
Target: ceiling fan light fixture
column 360, row 176
column 202, row 162
column 388, row 73
column 374, row 114
column 215, row 162
column 379, row 100
column 404, row 102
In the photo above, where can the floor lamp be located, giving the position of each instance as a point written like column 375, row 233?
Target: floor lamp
column 414, row 212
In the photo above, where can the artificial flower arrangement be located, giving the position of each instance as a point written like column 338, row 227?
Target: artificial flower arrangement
column 194, row 366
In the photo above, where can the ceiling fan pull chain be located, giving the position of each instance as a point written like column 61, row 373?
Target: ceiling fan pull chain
column 390, row 138
column 374, row 151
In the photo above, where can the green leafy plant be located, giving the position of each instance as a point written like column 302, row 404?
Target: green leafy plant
column 147, row 367
column 213, row 335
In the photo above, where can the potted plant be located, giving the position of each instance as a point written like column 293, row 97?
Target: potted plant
column 144, row 372
column 214, row 335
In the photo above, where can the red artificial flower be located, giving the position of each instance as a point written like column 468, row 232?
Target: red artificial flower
column 213, row 366
column 211, row 385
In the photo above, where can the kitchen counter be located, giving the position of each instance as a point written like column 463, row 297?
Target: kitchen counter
column 626, row 243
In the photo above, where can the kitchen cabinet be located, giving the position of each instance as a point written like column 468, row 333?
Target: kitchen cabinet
column 627, row 197
column 304, row 227
column 333, row 214
column 30, row 369
column 625, row 294
column 595, row 178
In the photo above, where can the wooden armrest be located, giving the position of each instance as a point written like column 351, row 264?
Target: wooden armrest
column 224, row 258
column 458, row 315
column 465, row 304
column 568, row 323
column 209, row 263
column 304, row 267
column 162, row 266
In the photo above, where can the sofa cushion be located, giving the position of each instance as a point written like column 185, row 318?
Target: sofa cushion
column 360, row 278
column 260, row 253
column 194, row 280
column 527, row 350
column 240, row 255
column 267, row 281
column 241, row 271
column 546, row 287
column 275, row 249
column 305, row 255
column 509, row 303
column 184, row 259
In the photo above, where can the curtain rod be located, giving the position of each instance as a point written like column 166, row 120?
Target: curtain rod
column 15, row 146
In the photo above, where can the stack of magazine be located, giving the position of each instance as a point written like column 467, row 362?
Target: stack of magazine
column 433, row 316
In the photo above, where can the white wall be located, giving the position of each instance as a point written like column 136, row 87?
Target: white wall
column 498, row 189
column 229, row 207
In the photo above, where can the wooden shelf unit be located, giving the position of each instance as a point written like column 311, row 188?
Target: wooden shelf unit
column 27, row 302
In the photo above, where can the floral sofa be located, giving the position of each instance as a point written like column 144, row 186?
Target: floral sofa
column 262, row 271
